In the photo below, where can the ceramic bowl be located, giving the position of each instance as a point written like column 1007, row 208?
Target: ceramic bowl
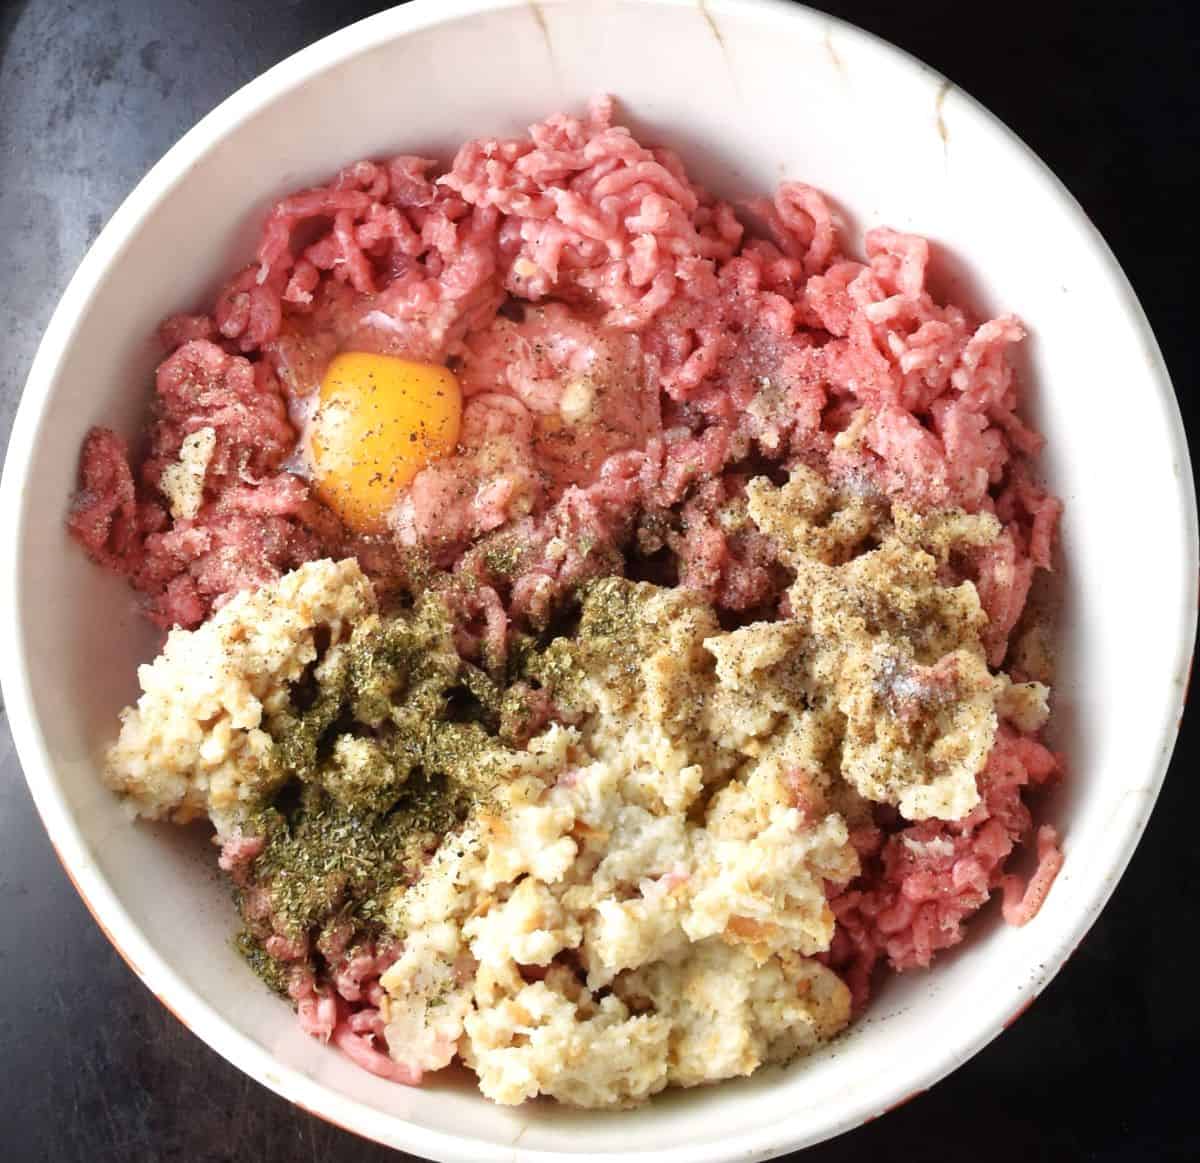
column 748, row 92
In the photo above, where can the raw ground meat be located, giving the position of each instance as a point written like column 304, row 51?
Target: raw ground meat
column 631, row 349
column 335, row 986
column 922, row 880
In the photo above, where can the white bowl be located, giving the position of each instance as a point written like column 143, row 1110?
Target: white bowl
column 748, row 92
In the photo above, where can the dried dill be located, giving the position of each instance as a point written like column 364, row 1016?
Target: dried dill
column 614, row 635
column 384, row 749
column 502, row 556
column 326, row 865
column 269, row 971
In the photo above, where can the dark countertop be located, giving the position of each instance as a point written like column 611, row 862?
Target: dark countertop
column 1103, row 1066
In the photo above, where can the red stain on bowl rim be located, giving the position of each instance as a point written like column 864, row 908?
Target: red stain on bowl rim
column 113, row 941
column 902, row 1101
column 168, row 1006
column 887, row 1110
column 96, row 917
column 172, row 1011
column 326, row 1118
column 1187, row 688
column 1021, row 1009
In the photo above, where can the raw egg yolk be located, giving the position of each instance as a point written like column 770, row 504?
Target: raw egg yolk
column 380, row 421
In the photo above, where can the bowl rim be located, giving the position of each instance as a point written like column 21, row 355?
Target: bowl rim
column 106, row 908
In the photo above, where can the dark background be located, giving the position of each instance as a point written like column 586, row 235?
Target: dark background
column 1103, row 1067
